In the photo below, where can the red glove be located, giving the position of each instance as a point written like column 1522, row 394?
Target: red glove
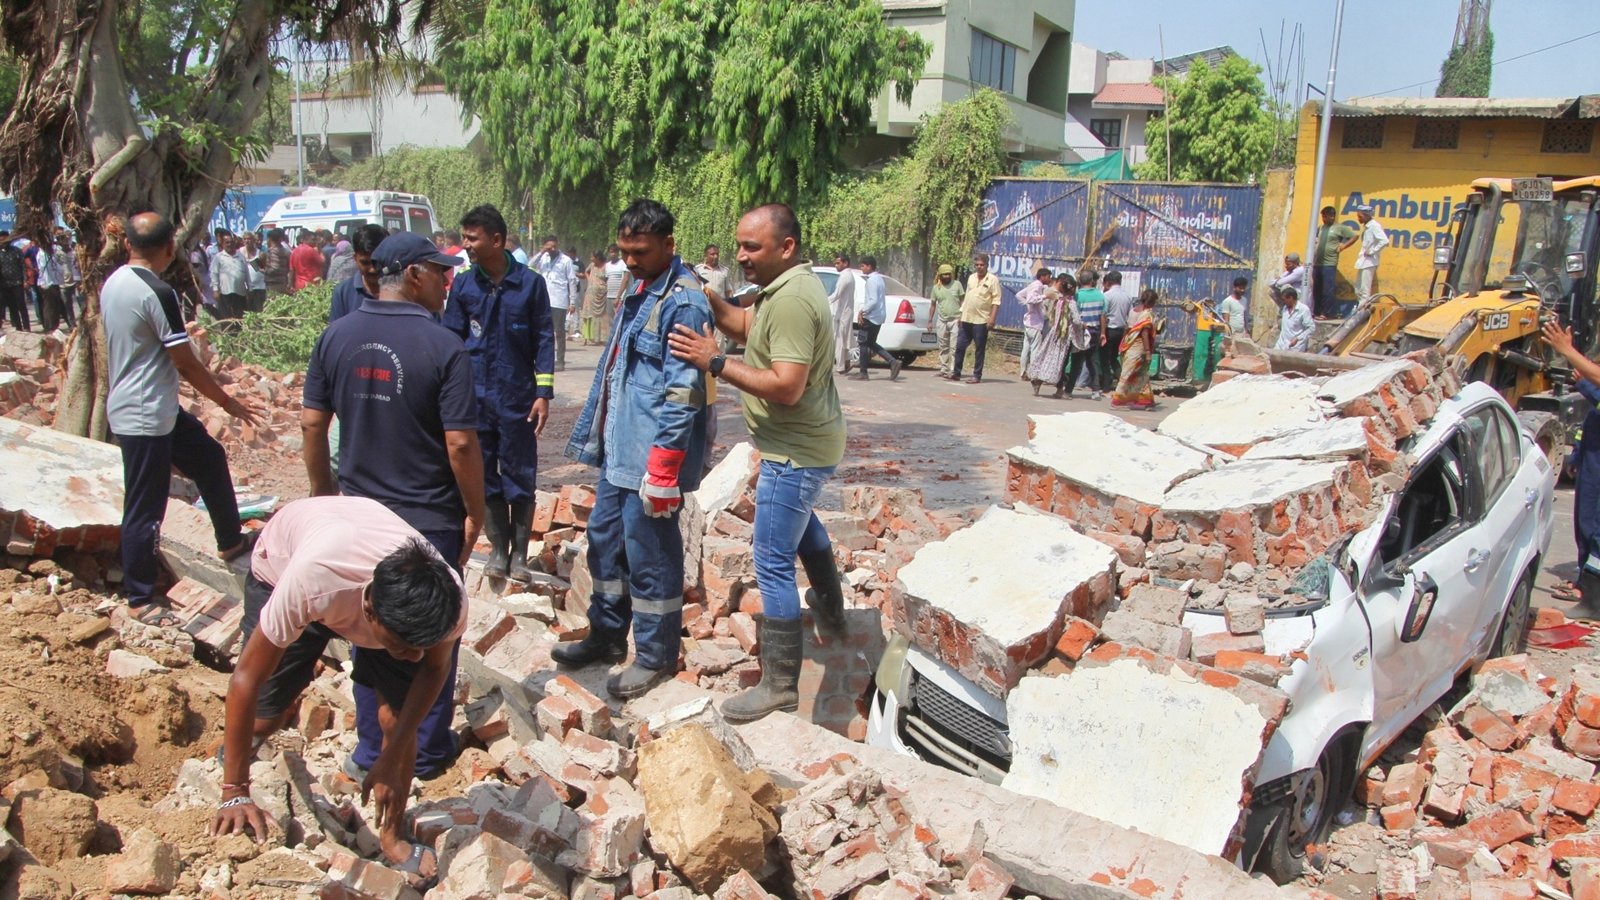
column 659, row 490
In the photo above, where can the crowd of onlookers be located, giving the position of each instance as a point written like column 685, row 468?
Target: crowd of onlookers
column 39, row 281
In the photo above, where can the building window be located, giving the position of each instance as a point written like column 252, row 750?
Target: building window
column 994, row 62
column 1363, row 134
column 1107, row 131
column 1567, row 136
column 1437, row 134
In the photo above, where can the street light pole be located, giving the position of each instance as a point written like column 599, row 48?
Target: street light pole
column 299, row 116
column 1326, row 127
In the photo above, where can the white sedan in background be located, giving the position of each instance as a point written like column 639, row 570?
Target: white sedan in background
column 907, row 330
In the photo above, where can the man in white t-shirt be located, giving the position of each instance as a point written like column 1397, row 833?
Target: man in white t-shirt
column 345, row 568
column 560, row 276
column 148, row 351
column 1373, row 240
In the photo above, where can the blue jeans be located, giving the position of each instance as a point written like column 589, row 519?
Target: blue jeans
column 785, row 526
column 637, row 565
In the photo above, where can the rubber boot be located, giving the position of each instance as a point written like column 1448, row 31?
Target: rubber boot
column 780, row 674
column 597, row 647
column 636, row 681
column 497, row 528
column 826, row 597
column 1588, row 606
column 521, row 528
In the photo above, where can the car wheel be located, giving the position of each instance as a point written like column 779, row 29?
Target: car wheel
column 906, row 357
column 1315, row 797
column 1513, row 635
column 1548, row 435
column 855, row 357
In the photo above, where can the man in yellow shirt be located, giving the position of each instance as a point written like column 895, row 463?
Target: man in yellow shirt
column 978, row 310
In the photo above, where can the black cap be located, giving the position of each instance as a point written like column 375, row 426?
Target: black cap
column 397, row 251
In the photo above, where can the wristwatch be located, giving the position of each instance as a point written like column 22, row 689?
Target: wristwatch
column 716, row 364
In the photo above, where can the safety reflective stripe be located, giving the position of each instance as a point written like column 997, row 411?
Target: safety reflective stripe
column 544, row 380
column 658, row 607
column 688, row 396
column 617, row 588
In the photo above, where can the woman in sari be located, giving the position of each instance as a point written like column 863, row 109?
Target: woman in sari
column 1138, row 343
column 1050, row 354
column 595, row 319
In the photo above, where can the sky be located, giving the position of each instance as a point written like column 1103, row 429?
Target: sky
column 1388, row 46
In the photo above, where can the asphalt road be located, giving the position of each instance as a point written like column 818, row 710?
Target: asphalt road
column 946, row 439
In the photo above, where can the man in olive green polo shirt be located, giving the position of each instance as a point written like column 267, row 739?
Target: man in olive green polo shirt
column 792, row 409
column 946, row 298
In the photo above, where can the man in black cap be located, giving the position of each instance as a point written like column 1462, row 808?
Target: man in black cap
column 401, row 385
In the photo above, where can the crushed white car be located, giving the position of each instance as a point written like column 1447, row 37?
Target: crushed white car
column 1395, row 615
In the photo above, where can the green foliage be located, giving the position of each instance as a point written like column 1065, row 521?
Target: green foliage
column 1466, row 72
column 1221, row 128
column 282, row 335
column 10, row 83
column 576, row 95
column 926, row 199
column 455, row 180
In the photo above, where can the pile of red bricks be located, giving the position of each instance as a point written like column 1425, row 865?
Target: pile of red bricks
column 31, row 371
column 1499, row 800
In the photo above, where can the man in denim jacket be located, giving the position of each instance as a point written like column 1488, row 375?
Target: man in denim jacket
column 644, row 425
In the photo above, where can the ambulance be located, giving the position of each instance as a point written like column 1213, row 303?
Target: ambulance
column 342, row 212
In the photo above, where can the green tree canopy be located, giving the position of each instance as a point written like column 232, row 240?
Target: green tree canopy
column 1221, row 129
column 575, row 97
column 1467, row 71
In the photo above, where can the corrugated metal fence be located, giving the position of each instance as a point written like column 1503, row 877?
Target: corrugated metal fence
column 1188, row 241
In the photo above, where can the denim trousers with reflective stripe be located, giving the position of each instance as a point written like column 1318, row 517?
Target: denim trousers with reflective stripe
column 637, row 565
column 785, row 526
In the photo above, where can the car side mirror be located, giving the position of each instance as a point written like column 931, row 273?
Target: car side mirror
column 1423, row 595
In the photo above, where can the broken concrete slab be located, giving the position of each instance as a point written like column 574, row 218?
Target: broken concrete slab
column 1050, row 850
column 1127, row 461
column 1338, row 439
column 1279, row 512
column 189, row 548
column 1340, row 389
column 1244, row 411
column 992, row 623
column 59, row 491
column 1195, row 746
column 726, row 481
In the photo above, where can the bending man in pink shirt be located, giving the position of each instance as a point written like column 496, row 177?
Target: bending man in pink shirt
column 343, row 567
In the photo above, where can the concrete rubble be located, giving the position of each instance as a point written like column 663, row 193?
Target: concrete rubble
column 59, row 491
column 1500, row 796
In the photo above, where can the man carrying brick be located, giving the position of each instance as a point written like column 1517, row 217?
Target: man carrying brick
column 644, row 425
column 792, row 409
column 149, row 350
column 343, row 567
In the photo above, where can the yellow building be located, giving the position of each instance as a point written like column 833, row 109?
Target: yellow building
column 1413, row 160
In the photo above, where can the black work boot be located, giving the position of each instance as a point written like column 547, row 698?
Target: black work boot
column 826, row 597
column 521, row 528
column 636, row 680
column 497, row 528
column 597, row 647
column 1589, row 601
column 780, row 674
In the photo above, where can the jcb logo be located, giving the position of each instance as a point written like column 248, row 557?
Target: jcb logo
column 1496, row 321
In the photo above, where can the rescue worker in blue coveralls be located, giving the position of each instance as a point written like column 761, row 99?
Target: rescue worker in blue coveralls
column 644, row 425
column 501, row 310
column 1586, row 483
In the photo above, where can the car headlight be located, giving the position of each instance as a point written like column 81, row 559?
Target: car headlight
column 891, row 675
